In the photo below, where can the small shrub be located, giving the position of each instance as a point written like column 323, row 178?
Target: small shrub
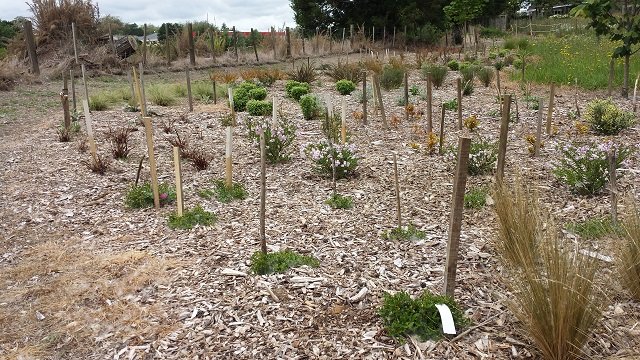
column 468, row 72
column 190, row 218
column 345, row 87
column 629, row 254
column 482, row 156
column 453, row 65
column 392, row 77
column 278, row 138
column 606, row 118
column 403, row 316
column 141, row 196
column 198, row 158
column 594, row 228
column 475, row 198
column 298, row 91
column 259, row 107
column 324, row 156
column 438, row 73
column 485, row 75
column 98, row 164
column 64, row 135
column 279, row 262
column 585, row 169
column 242, row 94
column 451, row 105
column 432, row 142
column 98, row 102
column 332, row 127
column 471, row 122
column 408, row 232
column 360, row 97
column 304, row 73
column 119, row 139
column 344, row 70
column 340, row 202
column 414, row 90
column 310, row 106
column 258, row 94
column 516, row 43
column 467, row 88
column 180, row 142
column 161, row 95
column 223, row 193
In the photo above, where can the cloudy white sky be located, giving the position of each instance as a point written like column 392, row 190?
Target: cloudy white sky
column 244, row 14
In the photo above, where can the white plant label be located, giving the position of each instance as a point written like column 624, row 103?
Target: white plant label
column 448, row 327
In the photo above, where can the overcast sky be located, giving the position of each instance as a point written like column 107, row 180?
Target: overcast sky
column 244, row 14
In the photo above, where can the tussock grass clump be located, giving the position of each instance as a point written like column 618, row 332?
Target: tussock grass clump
column 408, row 232
column 191, row 218
column 53, row 19
column 224, row 193
column 392, row 77
column 403, row 316
column 161, row 95
column 344, row 70
column 553, row 293
column 629, row 254
column 437, row 72
column 303, row 73
column 119, row 139
column 141, row 196
column 280, row 261
column 338, row 201
column 485, row 74
column 98, row 102
column 179, row 90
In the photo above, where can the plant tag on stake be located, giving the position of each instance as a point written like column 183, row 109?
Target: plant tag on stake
column 448, row 327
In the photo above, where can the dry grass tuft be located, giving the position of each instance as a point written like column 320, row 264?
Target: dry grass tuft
column 553, row 290
column 86, row 298
column 8, row 78
column 629, row 254
column 53, row 18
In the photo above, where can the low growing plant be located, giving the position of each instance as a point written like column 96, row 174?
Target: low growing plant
column 141, row 196
column 482, row 156
column 338, row 201
column 594, row 228
column 485, row 74
column 451, row 105
column 345, row 87
column 304, row 73
column 471, row 122
column 98, row 102
column 119, row 139
column 161, row 95
column 259, row 107
column 310, row 106
column 408, row 232
column 224, row 193
column 391, row 77
column 345, row 70
column 279, row 262
column 453, row 65
column 476, row 198
column 606, row 118
column 324, row 155
column 278, row 138
column 98, row 164
column 190, row 218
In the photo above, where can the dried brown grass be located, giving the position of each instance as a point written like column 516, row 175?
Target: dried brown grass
column 84, row 296
column 53, row 18
column 629, row 254
column 119, row 139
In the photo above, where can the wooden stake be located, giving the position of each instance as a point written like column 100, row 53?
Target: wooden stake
column 504, row 133
column 31, row 47
column 253, row 42
column 166, row 43
column 143, row 96
column 459, row 87
column 550, row 110
column 379, row 93
column 192, row 49
column 178, row 172
column 635, row 92
column 613, row 191
column 536, row 146
column 429, row 102
column 228, row 167
column 575, row 97
column 138, row 91
column 288, row 36
column 113, row 44
column 144, row 46
column 343, row 130
column 395, row 176
column 364, row 97
column 611, row 75
column 498, row 82
column 273, row 40
column 215, row 92
column 189, row 96
column 406, row 95
column 441, row 140
column 75, row 44
column 235, row 43
column 233, row 111
column 263, row 194
column 92, row 140
column 455, row 222
column 64, row 96
column 148, row 130
column 73, row 90
column 84, row 80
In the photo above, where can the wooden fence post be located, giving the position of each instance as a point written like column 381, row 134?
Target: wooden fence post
column 455, row 221
column 144, row 45
column 395, row 176
column 192, row 49
column 288, row 35
column 31, row 47
column 113, row 44
column 273, row 42
column 498, row 82
column 148, row 130
column 376, row 86
column 143, row 95
column 189, row 96
column 504, row 133
column 235, row 43
column 263, row 194
column 459, row 87
column 550, row 109
column 178, row 172
column 536, row 146
column 253, row 42
column 215, row 90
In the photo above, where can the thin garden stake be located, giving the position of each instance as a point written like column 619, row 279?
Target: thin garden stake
column 379, row 93
column 263, row 195
column 343, row 118
column 429, row 103
column 364, row 98
column 75, row 45
column 550, row 110
column 143, row 96
column 613, row 191
column 178, row 173
column 575, row 97
column 395, row 176
column 64, row 97
column 215, row 95
column 455, row 221
column 92, row 140
column 73, row 90
column 635, row 92
column 536, row 146
column 233, row 111
column 227, row 156
column 148, row 130
column 611, row 75
column 441, row 140
column 459, row 88
column 504, row 133
column 406, row 95
column 189, row 96
column 84, row 80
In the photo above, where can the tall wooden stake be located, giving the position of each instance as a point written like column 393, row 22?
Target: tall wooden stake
column 611, row 75
column 498, row 83
column 550, row 110
column 253, row 42
column 73, row 90
column 504, row 133
column 215, row 92
column 113, row 44
column 459, row 88
column 75, row 44
column 189, row 96
column 455, row 221
column 288, row 35
column 166, row 43
column 64, row 96
column 148, row 130
column 429, row 102
column 395, row 176
column 92, row 140
column 144, row 45
column 143, row 96
column 364, row 97
column 192, row 49
column 376, row 86
column 441, row 140
column 613, row 191
column 635, row 92
column 263, row 194
column 31, row 47
column 227, row 157
column 536, row 146
column 273, row 42
column 343, row 113
column 233, row 111
column 406, row 95
column 178, row 172
column 84, row 80
column 235, row 43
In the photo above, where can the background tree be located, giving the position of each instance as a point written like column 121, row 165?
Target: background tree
column 620, row 22
column 174, row 29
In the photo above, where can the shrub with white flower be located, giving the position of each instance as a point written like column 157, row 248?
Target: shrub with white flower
column 482, row 156
column 584, row 168
column 323, row 154
column 277, row 138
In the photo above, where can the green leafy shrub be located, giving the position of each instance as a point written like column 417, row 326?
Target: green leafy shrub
column 516, row 43
column 340, row 202
column 258, row 94
column 468, row 72
column 223, row 193
column 277, row 138
column 482, row 156
column 259, row 107
column 451, row 105
column 409, row 232
column 606, row 118
column 323, row 155
column 438, row 73
column 161, row 95
column 190, row 218
column 141, row 196
column 392, row 77
column 310, row 106
column 475, row 198
column 242, row 95
column 345, row 87
column 584, row 168
column 453, row 65
column 295, row 89
column 485, row 75
column 414, row 90
column 403, row 316
column 279, row 262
